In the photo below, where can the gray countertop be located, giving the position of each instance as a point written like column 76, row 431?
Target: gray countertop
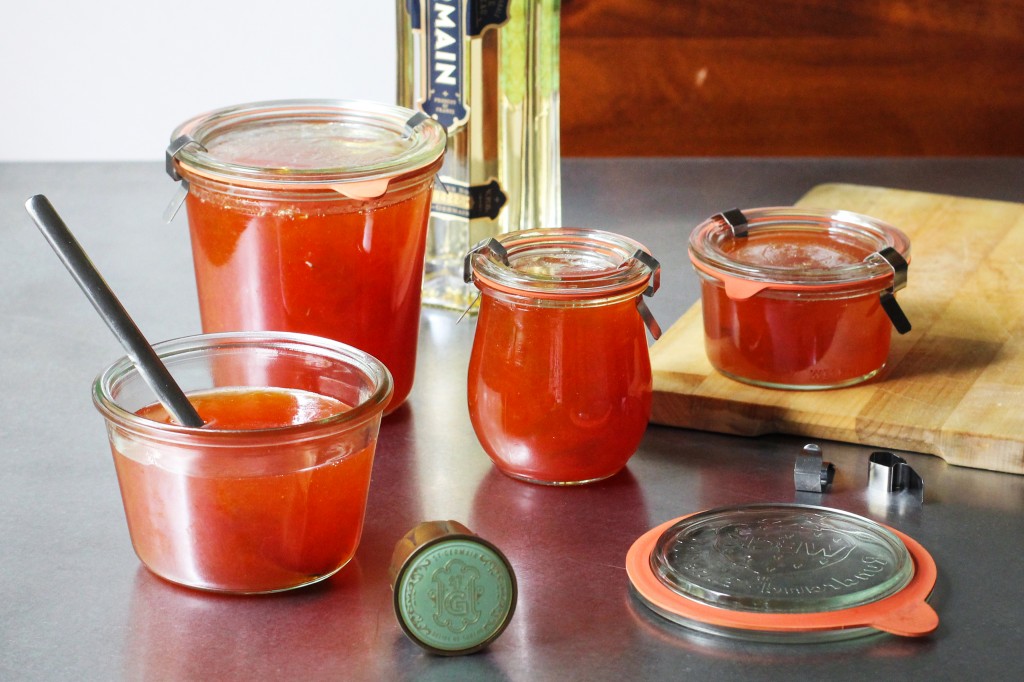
column 75, row 603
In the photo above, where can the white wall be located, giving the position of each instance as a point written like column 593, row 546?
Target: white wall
column 109, row 80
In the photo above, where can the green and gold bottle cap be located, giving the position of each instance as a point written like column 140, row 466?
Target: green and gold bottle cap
column 454, row 592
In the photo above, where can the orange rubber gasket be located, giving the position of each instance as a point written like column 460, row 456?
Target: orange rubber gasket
column 354, row 189
column 905, row 613
column 741, row 288
column 626, row 291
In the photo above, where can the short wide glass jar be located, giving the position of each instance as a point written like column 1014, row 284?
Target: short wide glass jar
column 271, row 493
column 799, row 298
column 560, row 375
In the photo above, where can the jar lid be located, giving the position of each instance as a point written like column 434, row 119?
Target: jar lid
column 454, row 592
column 784, row 572
column 563, row 263
column 792, row 248
column 307, row 144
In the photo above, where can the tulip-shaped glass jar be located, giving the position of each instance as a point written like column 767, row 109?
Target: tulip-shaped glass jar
column 560, row 376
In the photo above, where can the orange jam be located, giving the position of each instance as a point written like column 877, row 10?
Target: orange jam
column 270, row 493
column 793, row 298
column 560, row 376
column 311, row 217
column 345, row 270
column 240, row 521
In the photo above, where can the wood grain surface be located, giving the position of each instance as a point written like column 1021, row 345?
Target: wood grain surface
column 792, row 77
column 954, row 386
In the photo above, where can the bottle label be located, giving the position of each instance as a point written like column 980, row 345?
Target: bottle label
column 443, row 23
column 468, row 201
column 485, row 201
column 485, row 13
column 451, row 197
column 446, row 29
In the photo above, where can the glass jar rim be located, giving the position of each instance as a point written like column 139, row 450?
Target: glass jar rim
column 416, row 139
column 707, row 240
column 562, row 263
column 123, row 369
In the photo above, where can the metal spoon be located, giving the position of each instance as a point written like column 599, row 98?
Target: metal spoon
column 142, row 355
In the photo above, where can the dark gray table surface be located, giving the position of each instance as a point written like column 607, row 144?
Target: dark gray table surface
column 75, row 603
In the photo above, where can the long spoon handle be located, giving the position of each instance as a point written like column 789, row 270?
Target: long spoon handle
column 149, row 365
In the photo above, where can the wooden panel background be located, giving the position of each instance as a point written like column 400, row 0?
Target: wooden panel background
column 792, row 77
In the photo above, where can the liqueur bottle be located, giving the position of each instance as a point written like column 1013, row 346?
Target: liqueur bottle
column 488, row 71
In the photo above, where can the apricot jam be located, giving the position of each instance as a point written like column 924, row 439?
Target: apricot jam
column 270, row 493
column 250, row 527
column 560, row 376
column 310, row 216
column 799, row 299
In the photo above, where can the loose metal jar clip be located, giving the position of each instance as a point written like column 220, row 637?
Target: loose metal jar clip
column 810, row 473
column 890, row 473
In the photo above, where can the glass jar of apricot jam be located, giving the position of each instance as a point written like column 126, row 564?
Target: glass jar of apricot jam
column 270, row 494
column 560, row 376
column 799, row 298
column 310, row 216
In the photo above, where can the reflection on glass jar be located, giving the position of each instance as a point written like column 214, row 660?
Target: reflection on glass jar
column 560, row 376
column 799, row 299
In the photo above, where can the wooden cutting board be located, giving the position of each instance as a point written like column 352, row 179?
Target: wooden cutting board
column 954, row 386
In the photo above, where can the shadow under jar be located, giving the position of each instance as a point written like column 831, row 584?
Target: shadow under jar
column 799, row 299
column 560, row 376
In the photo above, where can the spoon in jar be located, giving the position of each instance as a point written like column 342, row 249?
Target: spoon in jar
column 142, row 355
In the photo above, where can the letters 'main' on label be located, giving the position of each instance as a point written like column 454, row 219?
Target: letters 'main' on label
column 443, row 31
column 446, row 24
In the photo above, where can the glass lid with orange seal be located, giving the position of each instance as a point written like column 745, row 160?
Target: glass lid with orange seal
column 784, row 572
column 351, row 146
